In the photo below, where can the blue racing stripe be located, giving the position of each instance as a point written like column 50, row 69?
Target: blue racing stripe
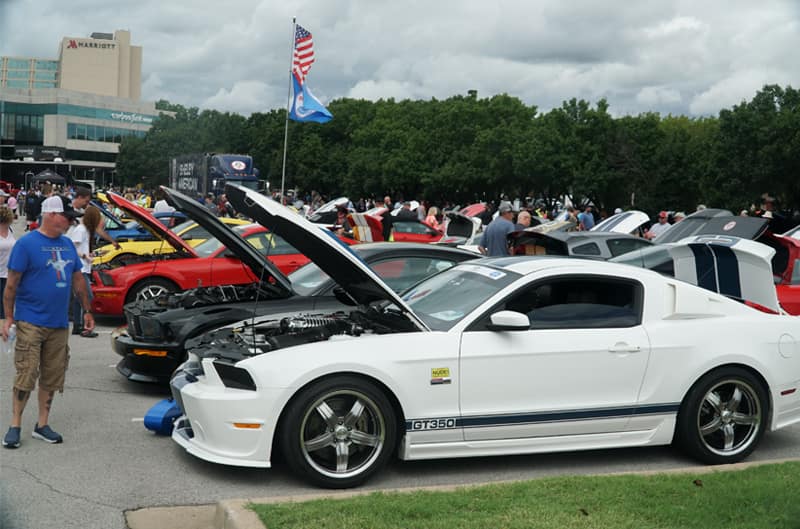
column 727, row 271
column 704, row 267
column 487, row 421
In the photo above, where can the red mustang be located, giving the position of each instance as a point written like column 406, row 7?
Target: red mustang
column 207, row 264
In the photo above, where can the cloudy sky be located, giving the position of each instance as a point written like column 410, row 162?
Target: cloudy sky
column 671, row 56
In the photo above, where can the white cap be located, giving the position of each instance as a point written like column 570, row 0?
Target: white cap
column 53, row 204
column 618, row 210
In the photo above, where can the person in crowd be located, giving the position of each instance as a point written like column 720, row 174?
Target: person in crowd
column 161, row 205
column 405, row 212
column 678, row 216
column 523, row 220
column 82, row 234
column 586, row 219
column 387, row 202
column 12, row 205
column 21, row 201
column 701, row 207
column 209, row 202
column 432, row 219
column 42, row 270
column 495, row 236
column 7, row 241
column 33, row 208
column 660, row 227
column 776, row 220
column 617, row 211
column 81, row 204
column 744, row 213
column 342, row 224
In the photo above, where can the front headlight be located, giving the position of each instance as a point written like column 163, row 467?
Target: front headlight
column 150, row 327
column 234, row 377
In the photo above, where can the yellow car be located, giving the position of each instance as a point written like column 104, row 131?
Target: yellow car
column 189, row 231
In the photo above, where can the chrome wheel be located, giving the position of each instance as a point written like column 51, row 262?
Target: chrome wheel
column 342, row 434
column 729, row 417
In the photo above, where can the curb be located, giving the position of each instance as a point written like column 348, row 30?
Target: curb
column 234, row 514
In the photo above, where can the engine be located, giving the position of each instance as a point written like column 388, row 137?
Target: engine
column 251, row 340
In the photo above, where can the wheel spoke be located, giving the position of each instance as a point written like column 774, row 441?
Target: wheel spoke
column 715, row 402
column 729, row 438
column 354, row 414
column 736, row 399
column 364, row 438
column 711, row 427
column 743, row 418
column 328, row 415
column 342, row 456
column 319, row 442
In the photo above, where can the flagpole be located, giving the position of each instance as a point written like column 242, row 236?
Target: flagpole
column 288, row 108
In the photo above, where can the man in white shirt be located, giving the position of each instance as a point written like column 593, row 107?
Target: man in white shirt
column 659, row 228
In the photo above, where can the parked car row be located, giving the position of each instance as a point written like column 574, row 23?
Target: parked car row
column 426, row 351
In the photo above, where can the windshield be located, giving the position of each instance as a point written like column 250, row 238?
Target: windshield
column 212, row 245
column 444, row 299
column 183, row 226
column 652, row 257
column 307, row 279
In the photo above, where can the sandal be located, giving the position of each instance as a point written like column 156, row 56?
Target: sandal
column 89, row 334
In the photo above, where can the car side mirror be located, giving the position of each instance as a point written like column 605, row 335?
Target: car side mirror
column 509, row 320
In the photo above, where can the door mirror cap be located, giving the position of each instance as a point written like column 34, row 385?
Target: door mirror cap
column 509, row 320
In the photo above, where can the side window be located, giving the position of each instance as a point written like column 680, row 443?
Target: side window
column 401, row 273
column 198, row 232
column 269, row 244
column 582, row 302
column 625, row 245
column 589, row 248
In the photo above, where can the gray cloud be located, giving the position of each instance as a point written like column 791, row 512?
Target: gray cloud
column 672, row 56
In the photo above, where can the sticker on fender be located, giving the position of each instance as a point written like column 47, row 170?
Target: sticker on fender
column 440, row 375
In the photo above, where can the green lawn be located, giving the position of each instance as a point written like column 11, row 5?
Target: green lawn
column 760, row 497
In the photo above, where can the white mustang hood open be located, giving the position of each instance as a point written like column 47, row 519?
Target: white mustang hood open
column 321, row 246
column 732, row 266
column 625, row 222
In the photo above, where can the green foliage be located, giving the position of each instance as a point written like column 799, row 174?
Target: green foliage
column 766, row 498
column 464, row 148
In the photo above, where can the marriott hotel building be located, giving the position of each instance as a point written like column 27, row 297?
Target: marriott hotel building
column 70, row 115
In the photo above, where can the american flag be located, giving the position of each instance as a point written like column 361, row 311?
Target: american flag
column 303, row 53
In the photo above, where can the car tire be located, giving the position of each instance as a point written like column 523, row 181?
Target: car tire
column 338, row 432
column 723, row 417
column 150, row 288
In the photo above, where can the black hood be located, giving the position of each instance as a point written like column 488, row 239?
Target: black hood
column 261, row 266
column 729, row 225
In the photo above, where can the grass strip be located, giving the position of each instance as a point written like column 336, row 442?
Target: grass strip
column 758, row 497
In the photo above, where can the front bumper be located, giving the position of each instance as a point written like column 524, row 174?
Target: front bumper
column 108, row 300
column 210, row 427
column 144, row 361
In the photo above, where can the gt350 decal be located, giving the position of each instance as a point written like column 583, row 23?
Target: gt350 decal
column 433, row 424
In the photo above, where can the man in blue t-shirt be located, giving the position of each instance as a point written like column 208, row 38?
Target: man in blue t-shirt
column 495, row 236
column 42, row 270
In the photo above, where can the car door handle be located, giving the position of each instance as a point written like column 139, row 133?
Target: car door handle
column 624, row 348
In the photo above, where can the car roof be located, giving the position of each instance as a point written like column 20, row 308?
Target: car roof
column 368, row 249
column 530, row 264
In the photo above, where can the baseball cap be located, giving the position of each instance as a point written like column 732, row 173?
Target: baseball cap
column 59, row 204
column 663, row 215
column 618, row 210
column 504, row 207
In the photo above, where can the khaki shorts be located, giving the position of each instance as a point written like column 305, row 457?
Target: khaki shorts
column 41, row 353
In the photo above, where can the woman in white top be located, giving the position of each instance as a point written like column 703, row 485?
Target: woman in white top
column 82, row 235
column 7, row 241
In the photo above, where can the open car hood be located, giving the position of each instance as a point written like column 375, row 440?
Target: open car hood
column 732, row 266
column 459, row 225
column 261, row 267
column 625, row 222
column 714, row 222
column 321, row 246
column 149, row 222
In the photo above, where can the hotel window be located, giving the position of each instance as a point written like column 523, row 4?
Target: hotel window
column 47, row 65
column 17, row 83
column 44, row 84
column 17, row 74
column 91, row 132
column 18, row 64
column 45, row 76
